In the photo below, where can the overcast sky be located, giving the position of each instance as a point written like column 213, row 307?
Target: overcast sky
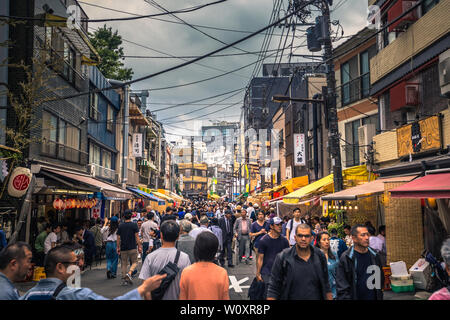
column 181, row 40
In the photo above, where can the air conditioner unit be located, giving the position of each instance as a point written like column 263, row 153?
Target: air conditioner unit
column 397, row 10
column 91, row 169
column 444, row 73
column 365, row 136
column 412, row 94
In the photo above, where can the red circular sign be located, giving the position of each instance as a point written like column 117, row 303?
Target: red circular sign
column 21, row 182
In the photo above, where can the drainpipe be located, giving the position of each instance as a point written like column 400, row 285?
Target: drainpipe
column 126, row 127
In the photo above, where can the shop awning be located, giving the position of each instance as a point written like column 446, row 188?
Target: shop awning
column 108, row 190
column 312, row 187
column 157, row 194
column 367, row 189
column 429, row 186
column 145, row 194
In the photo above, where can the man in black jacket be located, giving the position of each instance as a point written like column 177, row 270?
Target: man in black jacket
column 359, row 275
column 300, row 272
column 226, row 224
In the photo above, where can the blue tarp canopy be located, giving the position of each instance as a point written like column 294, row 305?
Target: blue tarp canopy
column 145, row 194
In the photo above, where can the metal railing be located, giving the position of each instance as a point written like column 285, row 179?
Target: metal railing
column 133, row 177
column 60, row 151
column 103, row 172
column 355, row 89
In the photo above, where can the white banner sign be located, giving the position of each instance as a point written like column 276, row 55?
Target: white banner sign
column 288, row 172
column 299, row 149
column 137, row 144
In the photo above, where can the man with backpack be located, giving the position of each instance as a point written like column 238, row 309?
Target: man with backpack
column 57, row 263
column 292, row 225
column 166, row 257
column 300, row 272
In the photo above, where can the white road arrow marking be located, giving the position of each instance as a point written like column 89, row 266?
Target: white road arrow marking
column 236, row 285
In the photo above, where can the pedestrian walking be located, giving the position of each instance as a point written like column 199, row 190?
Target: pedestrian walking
column 258, row 229
column 127, row 242
column 58, row 261
column 348, row 237
column 112, row 258
column 242, row 234
column 226, row 224
column 204, row 223
column 39, row 245
column 98, row 237
column 268, row 248
column 86, row 238
column 337, row 245
column 52, row 238
column 300, row 272
column 15, row 263
column 185, row 242
column 324, row 244
column 355, row 267
column 292, row 225
column 146, row 228
column 204, row 280
column 159, row 258
column 444, row 293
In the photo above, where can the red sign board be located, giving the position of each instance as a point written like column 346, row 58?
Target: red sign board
column 21, row 182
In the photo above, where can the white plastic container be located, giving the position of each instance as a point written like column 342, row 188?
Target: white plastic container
column 421, row 273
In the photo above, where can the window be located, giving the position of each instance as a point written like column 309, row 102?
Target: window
column 109, row 119
column 93, row 112
column 352, row 143
column 48, row 42
column 365, row 74
column 428, row 4
column 69, row 64
column 106, row 159
column 94, row 154
column 345, row 76
column 49, row 127
column 374, row 119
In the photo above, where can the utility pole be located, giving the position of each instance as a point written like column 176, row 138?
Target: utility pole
column 331, row 101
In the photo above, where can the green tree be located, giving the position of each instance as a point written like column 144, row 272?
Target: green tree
column 107, row 43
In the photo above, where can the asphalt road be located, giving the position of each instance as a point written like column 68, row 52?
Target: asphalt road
column 240, row 278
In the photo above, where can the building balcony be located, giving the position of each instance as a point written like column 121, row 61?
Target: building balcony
column 419, row 36
column 60, row 151
column 104, row 173
column 355, row 90
column 133, row 177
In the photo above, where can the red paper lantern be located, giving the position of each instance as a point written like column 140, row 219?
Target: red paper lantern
column 78, row 203
column 58, row 204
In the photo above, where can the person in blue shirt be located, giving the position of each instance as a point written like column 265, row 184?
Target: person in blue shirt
column 323, row 243
column 337, row 245
column 15, row 263
column 181, row 213
column 3, row 242
column 57, row 263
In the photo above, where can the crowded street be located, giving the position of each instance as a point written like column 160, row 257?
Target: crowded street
column 230, row 152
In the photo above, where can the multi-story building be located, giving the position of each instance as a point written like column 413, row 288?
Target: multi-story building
column 195, row 180
column 408, row 78
column 103, row 110
column 358, row 119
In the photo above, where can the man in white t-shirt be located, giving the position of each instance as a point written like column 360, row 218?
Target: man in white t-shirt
column 292, row 225
column 52, row 238
column 156, row 260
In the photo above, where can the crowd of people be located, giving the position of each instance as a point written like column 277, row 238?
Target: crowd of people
column 297, row 257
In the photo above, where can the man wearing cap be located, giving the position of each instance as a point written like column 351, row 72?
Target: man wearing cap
column 204, row 222
column 268, row 247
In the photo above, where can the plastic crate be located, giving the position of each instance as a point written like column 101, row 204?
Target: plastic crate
column 397, row 289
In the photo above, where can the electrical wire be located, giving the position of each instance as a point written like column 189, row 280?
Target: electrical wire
column 191, row 9
column 169, row 21
column 127, row 83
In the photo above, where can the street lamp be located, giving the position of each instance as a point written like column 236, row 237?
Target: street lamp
column 280, row 98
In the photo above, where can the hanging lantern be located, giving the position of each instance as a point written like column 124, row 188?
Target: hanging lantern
column 432, row 203
column 356, row 207
column 58, row 204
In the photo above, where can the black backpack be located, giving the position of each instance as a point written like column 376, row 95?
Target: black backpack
column 171, row 269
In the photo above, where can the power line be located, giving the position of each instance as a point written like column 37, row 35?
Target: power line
column 191, row 9
column 206, row 79
column 156, row 5
column 127, row 83
column 169, row 21
column 195, row 101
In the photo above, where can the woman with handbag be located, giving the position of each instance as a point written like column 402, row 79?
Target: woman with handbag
column 112, row 258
